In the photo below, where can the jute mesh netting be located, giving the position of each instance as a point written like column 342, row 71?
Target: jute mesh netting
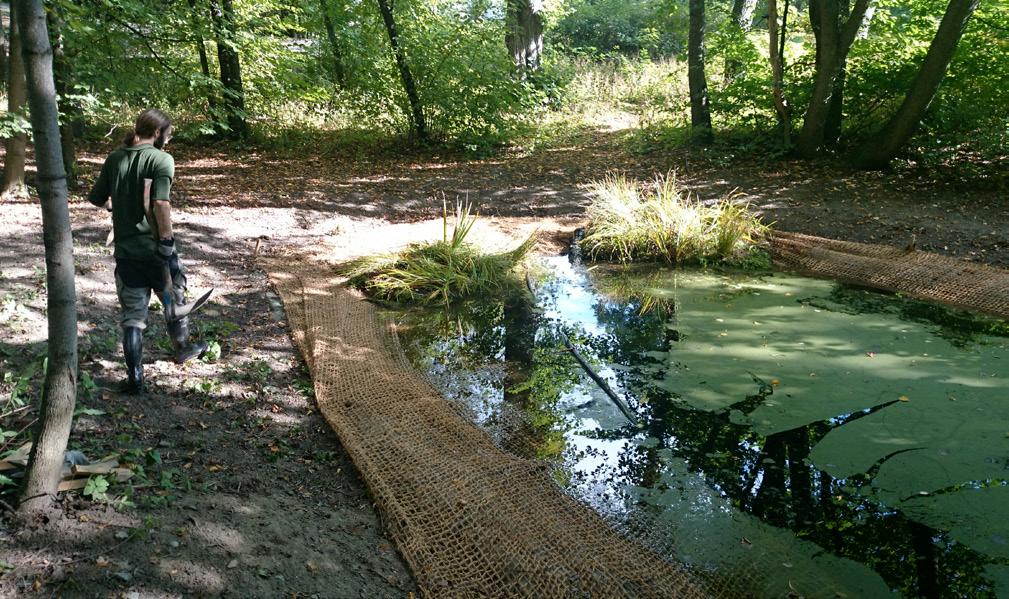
column 918, row 274
column 471, row 519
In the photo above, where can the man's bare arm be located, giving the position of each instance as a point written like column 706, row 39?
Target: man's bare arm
column 163, row 215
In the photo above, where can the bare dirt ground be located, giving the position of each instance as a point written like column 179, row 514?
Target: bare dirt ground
column 241, row 489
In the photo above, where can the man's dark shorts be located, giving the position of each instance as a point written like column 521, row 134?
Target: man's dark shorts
column 134, row 281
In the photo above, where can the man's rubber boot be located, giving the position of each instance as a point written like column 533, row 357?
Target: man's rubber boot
column 133, row 351
column 178, row 332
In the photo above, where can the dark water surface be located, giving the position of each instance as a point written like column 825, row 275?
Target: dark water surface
column 791, row 435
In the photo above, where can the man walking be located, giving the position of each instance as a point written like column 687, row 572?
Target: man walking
column 135, row 184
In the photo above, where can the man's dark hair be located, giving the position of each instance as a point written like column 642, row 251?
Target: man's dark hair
column 148, row 123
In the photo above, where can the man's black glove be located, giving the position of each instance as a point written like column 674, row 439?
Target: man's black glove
column 168, row 255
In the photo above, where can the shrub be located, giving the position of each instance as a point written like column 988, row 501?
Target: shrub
column 629, row 223
column 441, row 272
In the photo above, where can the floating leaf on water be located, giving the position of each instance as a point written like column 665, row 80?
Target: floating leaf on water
column 903, row 398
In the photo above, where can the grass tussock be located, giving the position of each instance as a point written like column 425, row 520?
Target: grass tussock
column 630, row 223
column 441, row 272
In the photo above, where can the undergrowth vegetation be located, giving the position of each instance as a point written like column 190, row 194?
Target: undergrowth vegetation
column 441, row 272
column 629, row 222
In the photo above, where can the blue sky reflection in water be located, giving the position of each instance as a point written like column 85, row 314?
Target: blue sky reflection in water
column 793, row 435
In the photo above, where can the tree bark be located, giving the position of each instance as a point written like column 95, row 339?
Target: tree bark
column 835, row 109
column 45, row 463
column 62, row 73
column 741, row 22
column 781, row 105
column 14, row 159
column 833, row 40
column 417, row 122
column 834, row 123
column 4, row 52
column 700, row 114
column 524, row 36
column 882, row 147
column 222, row 14
column 201, row 51
column 339, row 73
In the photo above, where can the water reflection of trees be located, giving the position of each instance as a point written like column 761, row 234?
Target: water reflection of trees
column 771, row 477
column 519, row 401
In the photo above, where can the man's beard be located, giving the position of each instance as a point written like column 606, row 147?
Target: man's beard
column 159, row 141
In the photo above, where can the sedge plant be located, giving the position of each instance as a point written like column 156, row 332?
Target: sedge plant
column 629, row 223
column 441, row 272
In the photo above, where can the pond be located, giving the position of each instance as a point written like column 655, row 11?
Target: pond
column 777, row 434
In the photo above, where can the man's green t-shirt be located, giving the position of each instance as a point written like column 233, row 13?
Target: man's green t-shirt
column 122, row 179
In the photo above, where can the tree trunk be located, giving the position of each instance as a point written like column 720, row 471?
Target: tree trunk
column 700, row 115
column 833, row 40
column 781, row 105
column 417, row 122
column 863, row 30
column 835, row 110
column 4, row 51
column 881, row 148
column 201, row 51
column 14, row 160
column 741, row 22
column 524, row 36
column 63, row 76
column 339, row 74
column 223, row 15
column 45, row 463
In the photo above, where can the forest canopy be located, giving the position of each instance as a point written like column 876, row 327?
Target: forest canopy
column 479, row 74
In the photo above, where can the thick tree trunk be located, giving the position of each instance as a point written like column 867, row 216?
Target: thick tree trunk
column 741, row 22
column 835, row 109
column 417, row 122
column 835, row 112
column 878, row 151
column 45, row 463
column 524, row 36
column 339, row 74
column 62, row 72
column 223, row 15
column 833, row 40
column 781, row 105
column 14, row 159
column 700, row 114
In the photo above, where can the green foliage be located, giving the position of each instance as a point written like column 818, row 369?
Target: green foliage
column 96, row 488
column 213, row 352
column 440, row 272
column 656, row 28
column 464, row 76
column 628, row 223
column 608, row 61
column 12, row 124
column 256, row 371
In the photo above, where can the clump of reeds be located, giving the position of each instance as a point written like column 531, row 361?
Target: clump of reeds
column 629, row 223
column 441, row 272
